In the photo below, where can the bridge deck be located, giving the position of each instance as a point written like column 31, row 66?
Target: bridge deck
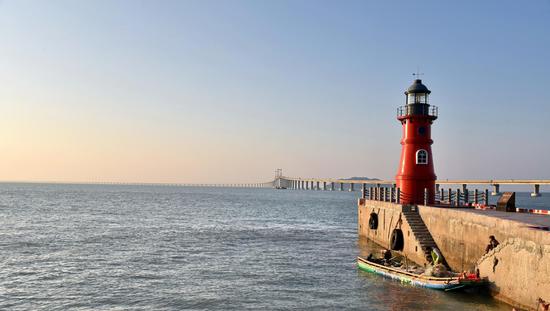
column 442, row 181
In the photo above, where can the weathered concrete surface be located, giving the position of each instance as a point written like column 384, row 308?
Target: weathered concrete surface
column 522, row 273
column 390, row 216
column 464, row 233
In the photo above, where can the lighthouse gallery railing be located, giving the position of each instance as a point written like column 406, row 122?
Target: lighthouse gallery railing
column 417, row 109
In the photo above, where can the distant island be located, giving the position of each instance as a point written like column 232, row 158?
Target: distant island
column 360, row 178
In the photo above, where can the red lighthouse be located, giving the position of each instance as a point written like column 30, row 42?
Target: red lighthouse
column 416, row 169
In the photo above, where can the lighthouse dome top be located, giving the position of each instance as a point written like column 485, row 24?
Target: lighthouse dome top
column 417, row 87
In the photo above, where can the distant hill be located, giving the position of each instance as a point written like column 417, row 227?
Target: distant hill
column 360, row 178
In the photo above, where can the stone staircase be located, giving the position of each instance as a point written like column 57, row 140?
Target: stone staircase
column 420, row 231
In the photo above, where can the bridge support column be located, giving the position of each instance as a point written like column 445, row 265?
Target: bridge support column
column 318, row 187
column 436, row 188
column 496, row 189
column 332, row 186
column 302, row 186
column 341, row 186
column 536, row 191
column 351, row 187
column 325, row 185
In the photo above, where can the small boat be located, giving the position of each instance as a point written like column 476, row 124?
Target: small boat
column 415, row 279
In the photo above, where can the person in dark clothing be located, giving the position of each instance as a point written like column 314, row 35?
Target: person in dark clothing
column 387, row 255
column 492, row 244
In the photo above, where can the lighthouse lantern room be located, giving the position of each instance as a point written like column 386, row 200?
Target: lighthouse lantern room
column 415, row 176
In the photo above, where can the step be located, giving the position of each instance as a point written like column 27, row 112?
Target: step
column 418, row 227
column 424, row 238
column 415, row 221
column 422, row 232
column 428, row 243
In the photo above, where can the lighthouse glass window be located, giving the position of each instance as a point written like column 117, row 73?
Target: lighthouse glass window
column 411, row 99
column 421, row 98
column 421, row 157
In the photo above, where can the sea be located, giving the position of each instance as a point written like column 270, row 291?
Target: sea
column 121, row 247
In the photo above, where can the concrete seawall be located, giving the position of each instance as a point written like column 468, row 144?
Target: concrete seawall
column 518, row 269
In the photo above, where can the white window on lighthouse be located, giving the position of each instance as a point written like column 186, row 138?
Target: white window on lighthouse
column 421, row 157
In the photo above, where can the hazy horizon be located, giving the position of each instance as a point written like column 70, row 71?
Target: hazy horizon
column 227, row 92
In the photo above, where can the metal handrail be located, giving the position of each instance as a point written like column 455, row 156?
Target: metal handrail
column 408, row 110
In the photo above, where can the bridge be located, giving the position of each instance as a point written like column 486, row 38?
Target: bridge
column 350, row 184
column 301, row 183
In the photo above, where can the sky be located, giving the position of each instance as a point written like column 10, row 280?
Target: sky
column 228, row 91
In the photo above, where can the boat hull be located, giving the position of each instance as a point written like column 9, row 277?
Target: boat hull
column 446, row 283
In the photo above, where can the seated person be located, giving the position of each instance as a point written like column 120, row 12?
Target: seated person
column 492, row 244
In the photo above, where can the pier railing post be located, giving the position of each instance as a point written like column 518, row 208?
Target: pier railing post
column 466, row 197
column 364, row 191
column 496, row 189
column 398, row 196
column 536, row 191
column 476, row 201
column 425, row 196
column 486, row 197
column 457, row 202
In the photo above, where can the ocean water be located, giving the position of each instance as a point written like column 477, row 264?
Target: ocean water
column 99, row 247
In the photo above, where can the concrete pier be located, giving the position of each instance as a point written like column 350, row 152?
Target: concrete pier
column 518, row 269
